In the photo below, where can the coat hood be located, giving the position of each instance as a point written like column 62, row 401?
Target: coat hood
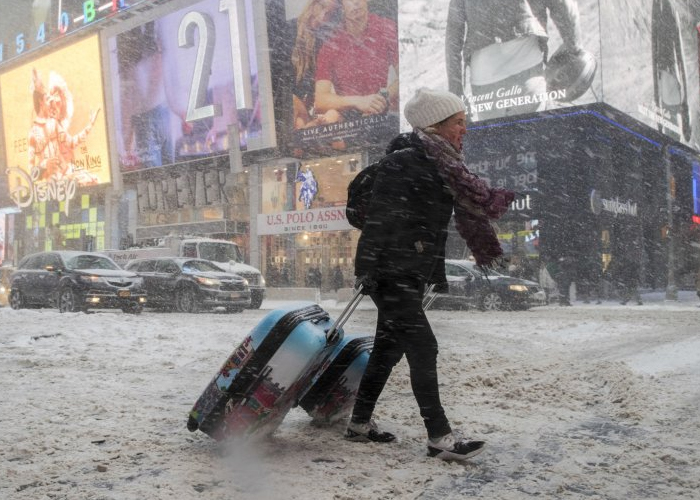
column 402, row 141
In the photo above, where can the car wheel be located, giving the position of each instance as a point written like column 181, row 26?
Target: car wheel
column 491, row 301
column 69, row 301
column 187, row 300
column 16, row 299
column 133, row 308
column 256, row 299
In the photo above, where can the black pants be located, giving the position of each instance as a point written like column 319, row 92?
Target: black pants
column 402, row 328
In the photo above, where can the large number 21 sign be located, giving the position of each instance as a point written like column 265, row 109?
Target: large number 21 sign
column 197, row 65
column 240, row 60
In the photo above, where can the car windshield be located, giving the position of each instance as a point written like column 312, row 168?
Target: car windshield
column 200, row 265
column 90, row 262
column 220, row 252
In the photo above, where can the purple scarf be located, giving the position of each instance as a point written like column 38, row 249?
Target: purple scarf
column 476, row 204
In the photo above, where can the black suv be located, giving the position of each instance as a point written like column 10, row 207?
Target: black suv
column 189, row 285
column 75, row 281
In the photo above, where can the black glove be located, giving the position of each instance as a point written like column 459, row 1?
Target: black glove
column 442, row 287
column 368, row 284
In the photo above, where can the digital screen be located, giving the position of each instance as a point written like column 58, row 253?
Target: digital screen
column 181, row 81
column 344, row 87
column 54, row 125
column 502, row 61
column 696, row 192
column 28, row 25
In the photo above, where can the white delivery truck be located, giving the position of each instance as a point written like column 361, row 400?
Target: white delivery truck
column 226, row 254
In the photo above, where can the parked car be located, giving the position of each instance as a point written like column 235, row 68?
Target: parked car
column 5, row 274
column 75, row 281
column 469, row 286
column 189, row 284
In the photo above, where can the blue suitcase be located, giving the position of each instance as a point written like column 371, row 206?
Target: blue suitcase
column 332, row 395
column 267, row 374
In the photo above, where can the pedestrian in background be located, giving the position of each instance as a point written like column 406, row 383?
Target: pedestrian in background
column 625, row 275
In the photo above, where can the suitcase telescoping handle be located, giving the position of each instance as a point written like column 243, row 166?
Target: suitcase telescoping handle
column 332, row 333
column 429, row 297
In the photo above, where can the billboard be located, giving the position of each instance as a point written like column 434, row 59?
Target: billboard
column 508, row 58
column 53, row 125
column 182, row 81
column 654, row 44
column 696, row 192
column 344, row 71
column 493, row 53
column 29, row 26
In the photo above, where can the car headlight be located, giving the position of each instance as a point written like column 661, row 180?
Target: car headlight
column 245, row 282
column 90, row 279
column 207, row 281
column 517, row 288
column 3, row 289
column 262, row 280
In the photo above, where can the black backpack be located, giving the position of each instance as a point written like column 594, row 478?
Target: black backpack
column 359, row 195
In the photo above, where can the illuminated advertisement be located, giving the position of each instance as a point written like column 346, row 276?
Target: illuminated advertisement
column 696, row 192
column 183, row 80
column 503, row 57
column 54, row 126
column 29, row 25
column 306, row 196
column 345, row 65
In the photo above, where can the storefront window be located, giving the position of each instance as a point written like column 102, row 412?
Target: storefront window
column 305, row 238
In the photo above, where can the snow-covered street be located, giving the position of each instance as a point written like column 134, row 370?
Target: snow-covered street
column 589, row 402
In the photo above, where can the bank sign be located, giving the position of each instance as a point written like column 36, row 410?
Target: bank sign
column 613, row 206
column 301, row 221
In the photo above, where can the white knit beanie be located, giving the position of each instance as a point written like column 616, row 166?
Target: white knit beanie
column 428, row 107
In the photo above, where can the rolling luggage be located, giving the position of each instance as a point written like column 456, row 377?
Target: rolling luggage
column 332, row 396
column 266, row 374
column 269, row 372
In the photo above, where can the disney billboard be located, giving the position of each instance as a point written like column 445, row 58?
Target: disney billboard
column 53, row 125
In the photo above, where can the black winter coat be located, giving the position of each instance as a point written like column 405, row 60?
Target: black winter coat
column 406, row 228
